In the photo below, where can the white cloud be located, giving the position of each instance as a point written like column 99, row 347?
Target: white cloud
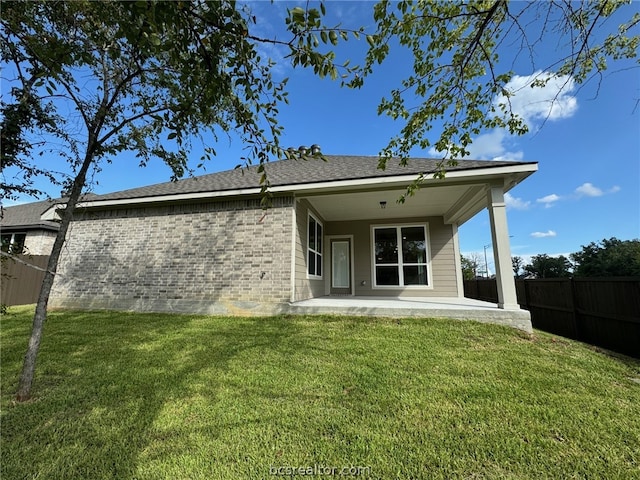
column 492, row 146
column 549, row 200
column 510, row 156
column 515, row 202
column 548, row 233
column 489, row 146
column 588, row 190
column 551, row 101
column 550, row 98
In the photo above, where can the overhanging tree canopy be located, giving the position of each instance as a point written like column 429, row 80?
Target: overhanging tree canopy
column 465, row 54
column 104, row 77
column 93, row 79
column 460, row 69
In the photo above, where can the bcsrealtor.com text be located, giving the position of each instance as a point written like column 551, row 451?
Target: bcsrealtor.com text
column 318, row 470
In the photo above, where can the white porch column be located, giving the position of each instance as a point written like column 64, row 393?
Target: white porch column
column 501, row 249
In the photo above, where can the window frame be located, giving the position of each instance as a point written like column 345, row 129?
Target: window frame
column 11, row 246
column 318, row 253
column 400, row 262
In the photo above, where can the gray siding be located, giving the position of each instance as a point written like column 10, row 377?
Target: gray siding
column 221, row 257
column 441, row 245
column 305, row 287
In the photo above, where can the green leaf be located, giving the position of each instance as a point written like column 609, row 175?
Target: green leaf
column 298, row 15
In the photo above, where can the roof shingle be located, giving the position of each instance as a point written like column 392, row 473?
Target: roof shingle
column 296, row 172
column 28, row 215
column 280, row 173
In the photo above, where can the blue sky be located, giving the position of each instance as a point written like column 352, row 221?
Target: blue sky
column 588, row 145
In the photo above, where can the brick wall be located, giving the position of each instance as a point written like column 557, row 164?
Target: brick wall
column 227, row 257
column 39, row 242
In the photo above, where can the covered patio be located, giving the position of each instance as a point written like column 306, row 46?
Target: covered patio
column 370, row 230
column 414, row 307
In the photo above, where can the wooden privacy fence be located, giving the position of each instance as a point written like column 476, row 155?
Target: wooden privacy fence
column 599, row 311
column 19, row 281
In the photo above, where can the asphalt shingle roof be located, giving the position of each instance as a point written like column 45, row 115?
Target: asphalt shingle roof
column 28, row 215
column 280, row 173
column 296, row 172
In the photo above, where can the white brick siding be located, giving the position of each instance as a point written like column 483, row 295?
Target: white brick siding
column 228, row 257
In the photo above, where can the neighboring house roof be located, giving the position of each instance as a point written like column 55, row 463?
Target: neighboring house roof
column 296, row 172
column 28, row 216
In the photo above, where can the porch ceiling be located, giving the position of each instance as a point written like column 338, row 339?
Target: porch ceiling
column 449, row 201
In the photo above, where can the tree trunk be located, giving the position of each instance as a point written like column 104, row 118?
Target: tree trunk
column 40, row 316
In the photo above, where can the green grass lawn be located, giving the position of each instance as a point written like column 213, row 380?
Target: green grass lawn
column 149, row 396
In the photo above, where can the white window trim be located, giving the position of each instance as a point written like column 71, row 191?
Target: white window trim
column 374, row 285
column 321, row 243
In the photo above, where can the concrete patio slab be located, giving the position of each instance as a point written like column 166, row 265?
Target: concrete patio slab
column 437, row 307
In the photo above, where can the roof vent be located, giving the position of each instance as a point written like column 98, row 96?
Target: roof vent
column 303, row 151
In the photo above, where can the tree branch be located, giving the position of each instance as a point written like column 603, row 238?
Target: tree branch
column 129, row 120
column 478, row 36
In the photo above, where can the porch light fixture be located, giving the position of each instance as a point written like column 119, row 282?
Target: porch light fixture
column 383, row 204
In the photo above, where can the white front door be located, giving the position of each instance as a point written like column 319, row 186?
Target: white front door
column 340, row 266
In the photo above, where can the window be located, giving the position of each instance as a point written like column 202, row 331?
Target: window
column 314, row 247
column 13, row 243
column 400, row 256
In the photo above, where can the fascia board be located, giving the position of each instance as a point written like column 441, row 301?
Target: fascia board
column 483, row 175
column 475, row 201
column 167, row 198
column 29, row 227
